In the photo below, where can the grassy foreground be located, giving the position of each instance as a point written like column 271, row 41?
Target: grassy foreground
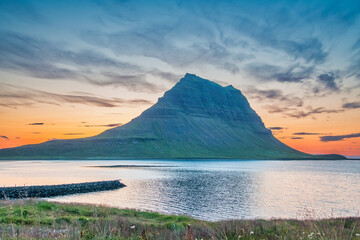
column 30, row 219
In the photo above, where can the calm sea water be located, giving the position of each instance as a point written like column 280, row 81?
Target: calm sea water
column 209, row 190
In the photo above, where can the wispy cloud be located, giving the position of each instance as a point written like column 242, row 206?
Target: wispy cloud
column 351, row 105
column 312, row 111
column 296, row 138
column 224, row 35
column 268, row 72
column 36, row 123
column 276, row 128
column 136, row 82
column 171, row 77
column 274, row 95
column 42, row 59
column 159, row 42
column 277, row 101
column 307, row 133
column 154, row 36
column 14, row 96
column 338, row 137
column 289, row 105
column 4, row 137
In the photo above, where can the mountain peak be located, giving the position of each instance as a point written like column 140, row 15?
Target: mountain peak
column 194, row 79
column 197, row 118
column 192, row 76
column 198, row 97
column 189, row 77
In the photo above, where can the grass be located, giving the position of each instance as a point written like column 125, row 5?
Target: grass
column 30, row 219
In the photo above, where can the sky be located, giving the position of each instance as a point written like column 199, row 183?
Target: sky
column 71, row 69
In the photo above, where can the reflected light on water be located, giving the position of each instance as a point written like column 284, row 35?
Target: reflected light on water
column 210, row 190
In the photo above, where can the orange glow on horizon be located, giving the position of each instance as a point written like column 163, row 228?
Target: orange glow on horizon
column 68, row 122
column 38, row 134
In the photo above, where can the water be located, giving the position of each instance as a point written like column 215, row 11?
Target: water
column 209, row 190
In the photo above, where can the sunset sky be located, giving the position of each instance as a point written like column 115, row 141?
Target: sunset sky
column 71, row 69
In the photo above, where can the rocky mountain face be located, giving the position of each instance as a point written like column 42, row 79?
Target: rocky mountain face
column 197, row 118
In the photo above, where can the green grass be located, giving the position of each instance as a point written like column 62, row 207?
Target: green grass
column 30, row 219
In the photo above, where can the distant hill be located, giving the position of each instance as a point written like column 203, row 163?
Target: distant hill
column 197, row 118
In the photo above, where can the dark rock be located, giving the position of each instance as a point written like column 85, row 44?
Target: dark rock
column 57, row 190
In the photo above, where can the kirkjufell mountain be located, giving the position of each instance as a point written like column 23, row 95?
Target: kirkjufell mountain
column 197, row 118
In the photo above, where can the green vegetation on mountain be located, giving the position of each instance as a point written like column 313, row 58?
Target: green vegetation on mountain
column 197, row 118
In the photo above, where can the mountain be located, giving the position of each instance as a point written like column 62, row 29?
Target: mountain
column 197, row 118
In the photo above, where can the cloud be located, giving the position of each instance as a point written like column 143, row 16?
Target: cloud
column 42, row 59
column 338, row 137
column 187, row 33
column 105, row 125
column 278, row 109
column 36, row 132
column 288, row 104
column 273, row 35
column 351, row 105
column 4, row 137
column 311, row 111
column 15, row 96
column 274, row 95
column 276, row 128
column 296, row 138
column 215, row 34
column 173, row 35
column 306, row 133
column 160, row 41
column 136, row 83
column 37, row 123
column 328, row 79
column 268, row 72
column 171, row 77
column 295, row 113
column 294, row 74
column 311, row 49
column 30, row 56
column 279, row 102
column 30, row 53
column 184, row 34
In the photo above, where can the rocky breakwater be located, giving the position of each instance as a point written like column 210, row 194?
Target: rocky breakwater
column 58, row 190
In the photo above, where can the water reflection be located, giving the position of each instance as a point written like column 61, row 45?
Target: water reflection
column 210, row 190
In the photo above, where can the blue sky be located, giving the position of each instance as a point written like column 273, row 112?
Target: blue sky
column 294, row 60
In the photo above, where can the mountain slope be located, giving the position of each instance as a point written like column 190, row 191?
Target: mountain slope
column 197, row 118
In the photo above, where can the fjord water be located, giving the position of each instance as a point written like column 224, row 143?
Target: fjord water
column 204, row 189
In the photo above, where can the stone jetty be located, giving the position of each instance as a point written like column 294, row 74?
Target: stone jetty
column 58, row 190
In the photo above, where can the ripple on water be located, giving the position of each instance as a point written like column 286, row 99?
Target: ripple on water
column 210, row 190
